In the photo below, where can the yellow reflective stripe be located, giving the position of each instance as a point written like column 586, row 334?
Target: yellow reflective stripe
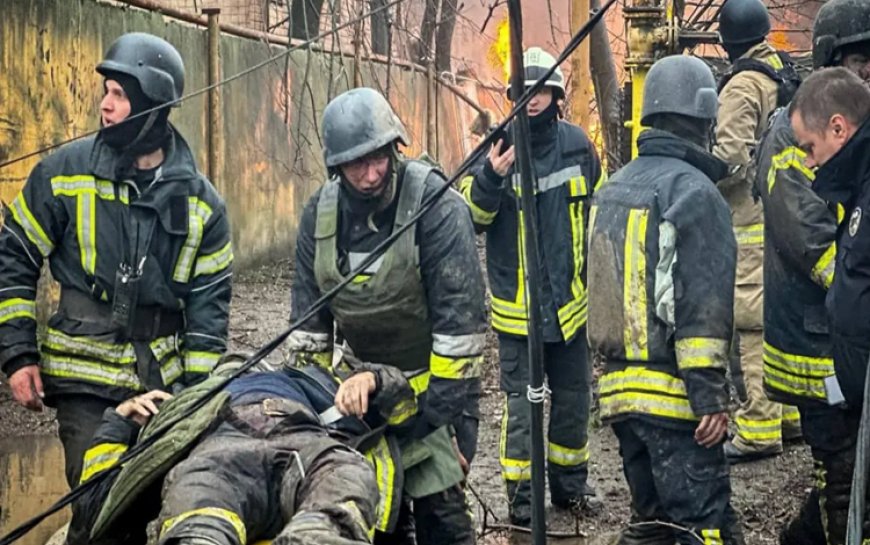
column 478, row 214
column 572, row 315
column 641, row 390
column 88, row 371
column 748, row 235
column 86, row 232
column 32, row 229
column 790, row 414
column 796, row 375
column 712, row 536
column 701, row 353
column 566, row 456
column 759, row 430
column 808, row 365
column 509, row 309
column 119, row 354
column 385, row 474
column 225, row 515
column 356, row 515
column 510, row 325
column 101, row 457
column 171, row 370
column 16, row 307
column 216, row 262
column 634, row 287
column 841, row 213
column 512, row 469
column 455, row 368
column 419, row 382
column 790, row 157
column 823, row 270
column 198, row 214
column 774, row 61
column 402, row 412
column 201, row 362
column 602, row 179
column 577, row 186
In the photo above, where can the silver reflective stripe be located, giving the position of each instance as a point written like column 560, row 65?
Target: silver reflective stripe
column 74, row 368
column 34, row 232
column 198, row 215
column 121, row 354
column 558, row 178
column 11, row 309
column 356, row 258
column 214, row 263
column 171, row 370
column 458, row 345
column 86, row 231
column 330, row 416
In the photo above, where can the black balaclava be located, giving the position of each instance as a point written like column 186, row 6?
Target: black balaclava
column 735, row 51
column 695, row 130
column 541, row 122
column 142, row 135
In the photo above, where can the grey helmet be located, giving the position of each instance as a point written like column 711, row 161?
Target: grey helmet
column 839, row 23
column 680, row 84
column 356, row 123
column 152, row 61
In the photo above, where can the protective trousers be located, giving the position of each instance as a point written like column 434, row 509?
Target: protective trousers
column 78, row 417
column 832, row 435
column 674, row 480
column 293, row 486
column 568, row 376
column 439, row 519
column 761, row 423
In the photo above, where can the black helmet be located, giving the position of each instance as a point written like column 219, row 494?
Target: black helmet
column 839, row 23
column 680, row 84
column 152, row 61
column 356, row 123
column 743, row 22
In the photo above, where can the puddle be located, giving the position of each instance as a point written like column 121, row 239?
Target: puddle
column 31, row 480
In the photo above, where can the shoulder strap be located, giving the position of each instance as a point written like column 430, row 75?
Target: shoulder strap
column 326, row 223
column 414, row 174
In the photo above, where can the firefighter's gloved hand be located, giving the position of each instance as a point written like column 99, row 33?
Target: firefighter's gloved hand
column 711, row 430
column 352, row 398
column 26, row 384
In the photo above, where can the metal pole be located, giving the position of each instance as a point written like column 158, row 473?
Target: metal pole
column 581, row 88
column 214, row 100
column 528, row 220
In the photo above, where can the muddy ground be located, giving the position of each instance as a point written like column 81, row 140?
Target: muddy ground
column 766, row 493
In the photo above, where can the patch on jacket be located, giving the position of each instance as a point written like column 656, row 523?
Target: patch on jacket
column 855, row 221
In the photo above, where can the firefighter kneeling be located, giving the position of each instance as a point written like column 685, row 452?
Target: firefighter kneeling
column 661, row 273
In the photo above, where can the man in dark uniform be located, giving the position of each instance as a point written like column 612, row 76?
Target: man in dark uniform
column 419, row 307
column 140, row 243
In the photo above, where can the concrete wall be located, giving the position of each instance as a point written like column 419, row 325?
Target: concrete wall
column 271, row 160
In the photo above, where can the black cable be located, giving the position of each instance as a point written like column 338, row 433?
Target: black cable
column 266, row 349
column 234, row 77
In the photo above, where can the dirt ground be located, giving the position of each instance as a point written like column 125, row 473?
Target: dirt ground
column 766, row 493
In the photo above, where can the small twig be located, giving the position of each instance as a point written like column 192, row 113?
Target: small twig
column 669, row 525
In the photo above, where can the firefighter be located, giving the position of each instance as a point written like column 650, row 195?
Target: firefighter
column 800, row 230
column 567, row 173
column 833, row 133
column 420, row 307
column 139, row 242
column 256, row 462
column 662, row 256
column 759, row 82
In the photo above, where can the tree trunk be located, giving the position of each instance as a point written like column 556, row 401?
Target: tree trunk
column 380, row 28
column 607, row 92
column 444, row 36
column 305, row 18
column 423, row 45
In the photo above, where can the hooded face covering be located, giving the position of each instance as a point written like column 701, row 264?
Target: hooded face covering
column 546, row 117
column 142, row 135
column 369, row 204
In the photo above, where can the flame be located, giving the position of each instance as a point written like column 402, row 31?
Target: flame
column 499, row 54
column 780, row 40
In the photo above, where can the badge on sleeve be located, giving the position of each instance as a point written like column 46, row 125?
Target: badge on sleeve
column 855, row 221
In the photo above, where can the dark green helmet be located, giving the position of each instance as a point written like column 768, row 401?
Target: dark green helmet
column 152, row 61
column 743, row 22
column 839, row 23
column 356, row 123
column 680, row 84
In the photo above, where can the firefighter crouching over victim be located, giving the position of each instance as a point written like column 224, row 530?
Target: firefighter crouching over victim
column 262, row 460
column 138, row 240
column 799, row 264
column 760, row 80
column 567, row 173
column 419, row 308
column 661, row 274
column 831, row 119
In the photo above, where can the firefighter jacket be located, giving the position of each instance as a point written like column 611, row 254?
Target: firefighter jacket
column 745, row 103
column 799, row 231
column 845, row 180
column 420, row 307
column 661, row 270
column 75, row 213
column 567, row 172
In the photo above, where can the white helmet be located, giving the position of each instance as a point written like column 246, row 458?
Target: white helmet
column 536, row 62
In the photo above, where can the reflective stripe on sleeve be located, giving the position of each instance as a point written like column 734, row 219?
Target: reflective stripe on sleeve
column 214, row 263
column 10, row 309
column 823, row 270
column 634, row 287
column 22, row 215
column 701, row 353
column 225, row 515
column 101, row 457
